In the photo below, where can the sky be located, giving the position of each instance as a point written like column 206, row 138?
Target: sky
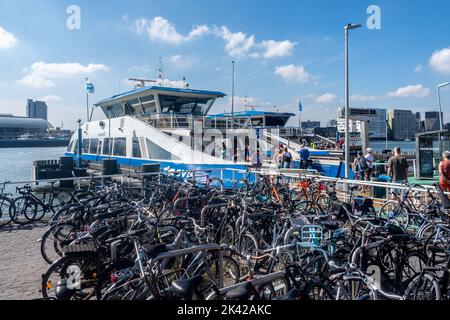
column 283, row 51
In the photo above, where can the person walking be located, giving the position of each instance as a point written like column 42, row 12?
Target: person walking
column 360, row 166
column 370, row 162
column 398, row 167
column 444, row 172
column 304, row 157
column 278, row 159
column 287, row 158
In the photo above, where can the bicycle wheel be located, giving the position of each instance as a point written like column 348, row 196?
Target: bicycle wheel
column 298, row 194
column 5, row 214
column 248, row 245
column 72, row 277
column 440, row 239
column 227, row 235
column 24, row 210
column 58, row 200
column 392, row 211
column 425, row 286
column 54, row 239
column 324, row 203
column 230, row 273
column 215, row 184
column 317, row 291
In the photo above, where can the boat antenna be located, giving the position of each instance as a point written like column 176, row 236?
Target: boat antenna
column 232, row 95
column 161, row 72
column 245, row 99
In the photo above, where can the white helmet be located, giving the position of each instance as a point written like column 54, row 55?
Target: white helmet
column 369, row 150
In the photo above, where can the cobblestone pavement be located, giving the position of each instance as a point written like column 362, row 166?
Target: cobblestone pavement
column 21, row 264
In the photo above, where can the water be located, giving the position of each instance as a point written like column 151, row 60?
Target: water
column 405, row 146
column 16, row 163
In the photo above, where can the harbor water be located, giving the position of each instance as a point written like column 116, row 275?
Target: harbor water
column 405, row 146
column 16, row 163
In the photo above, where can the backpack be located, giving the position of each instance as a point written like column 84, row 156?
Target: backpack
column 362, row 164
column 287, row 157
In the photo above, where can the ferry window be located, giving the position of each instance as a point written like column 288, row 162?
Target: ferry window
column 118, row 110
column 99, row 150
column 120, row 147
column 148, row 104
column 85, row 145
column 136, row 148
column 108, row 112
column 70, row 147
column 107, row 146
column 184, row 104
column 93, row 146
column 135, row 107
column 156, row 152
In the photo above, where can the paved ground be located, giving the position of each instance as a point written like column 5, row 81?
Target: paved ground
column 21, row 264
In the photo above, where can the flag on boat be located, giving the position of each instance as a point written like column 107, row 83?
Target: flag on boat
column 300, row 107
column 89, row 87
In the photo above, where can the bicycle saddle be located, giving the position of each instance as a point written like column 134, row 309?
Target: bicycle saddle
column 186, row 287
column 242, row 292
column 291, row 295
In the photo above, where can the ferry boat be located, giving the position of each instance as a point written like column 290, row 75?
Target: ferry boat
column 173, row 127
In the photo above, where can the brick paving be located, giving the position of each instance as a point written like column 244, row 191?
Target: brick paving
column 21, row 263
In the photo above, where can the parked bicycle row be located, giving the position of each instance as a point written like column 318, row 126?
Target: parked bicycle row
column 261, row 240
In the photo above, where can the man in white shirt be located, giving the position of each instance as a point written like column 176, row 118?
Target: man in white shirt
column 370, row 162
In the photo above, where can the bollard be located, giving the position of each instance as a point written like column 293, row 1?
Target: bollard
column 110, row 167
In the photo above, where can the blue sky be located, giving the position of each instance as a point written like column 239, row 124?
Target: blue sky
column 284, row 50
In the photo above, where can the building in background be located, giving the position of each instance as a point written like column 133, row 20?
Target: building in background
column 332, row 123
column 37, row 109
column 432, row 121
column 375, row 118
column 310, row 124
column 327, row 132
column 12, row 127
column 403, row 124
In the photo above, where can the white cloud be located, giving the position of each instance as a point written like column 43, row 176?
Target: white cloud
column 175, row 58
column 278, row 48
column 362, row 98
column 418, row 68
column 141, row 69
column 440, row 61
column 160, row 29
column 51, row 98
column 326, row 98
column 40, row 73
column 237, row 43
column 292, row 73
column 416, row 91
column 7, row 39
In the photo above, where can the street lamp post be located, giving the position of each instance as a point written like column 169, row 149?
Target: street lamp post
column 439, row 102
column 347, row 147
column 441, row 121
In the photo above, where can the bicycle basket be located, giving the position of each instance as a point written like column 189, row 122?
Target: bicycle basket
column 311, row 235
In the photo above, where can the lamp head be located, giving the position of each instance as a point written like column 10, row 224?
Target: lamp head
column 443, row 84
column 351, row 26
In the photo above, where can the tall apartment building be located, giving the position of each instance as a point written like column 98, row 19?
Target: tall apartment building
column 375, row 118
column 36, row 109
column 432, row 121
column 403, row 124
